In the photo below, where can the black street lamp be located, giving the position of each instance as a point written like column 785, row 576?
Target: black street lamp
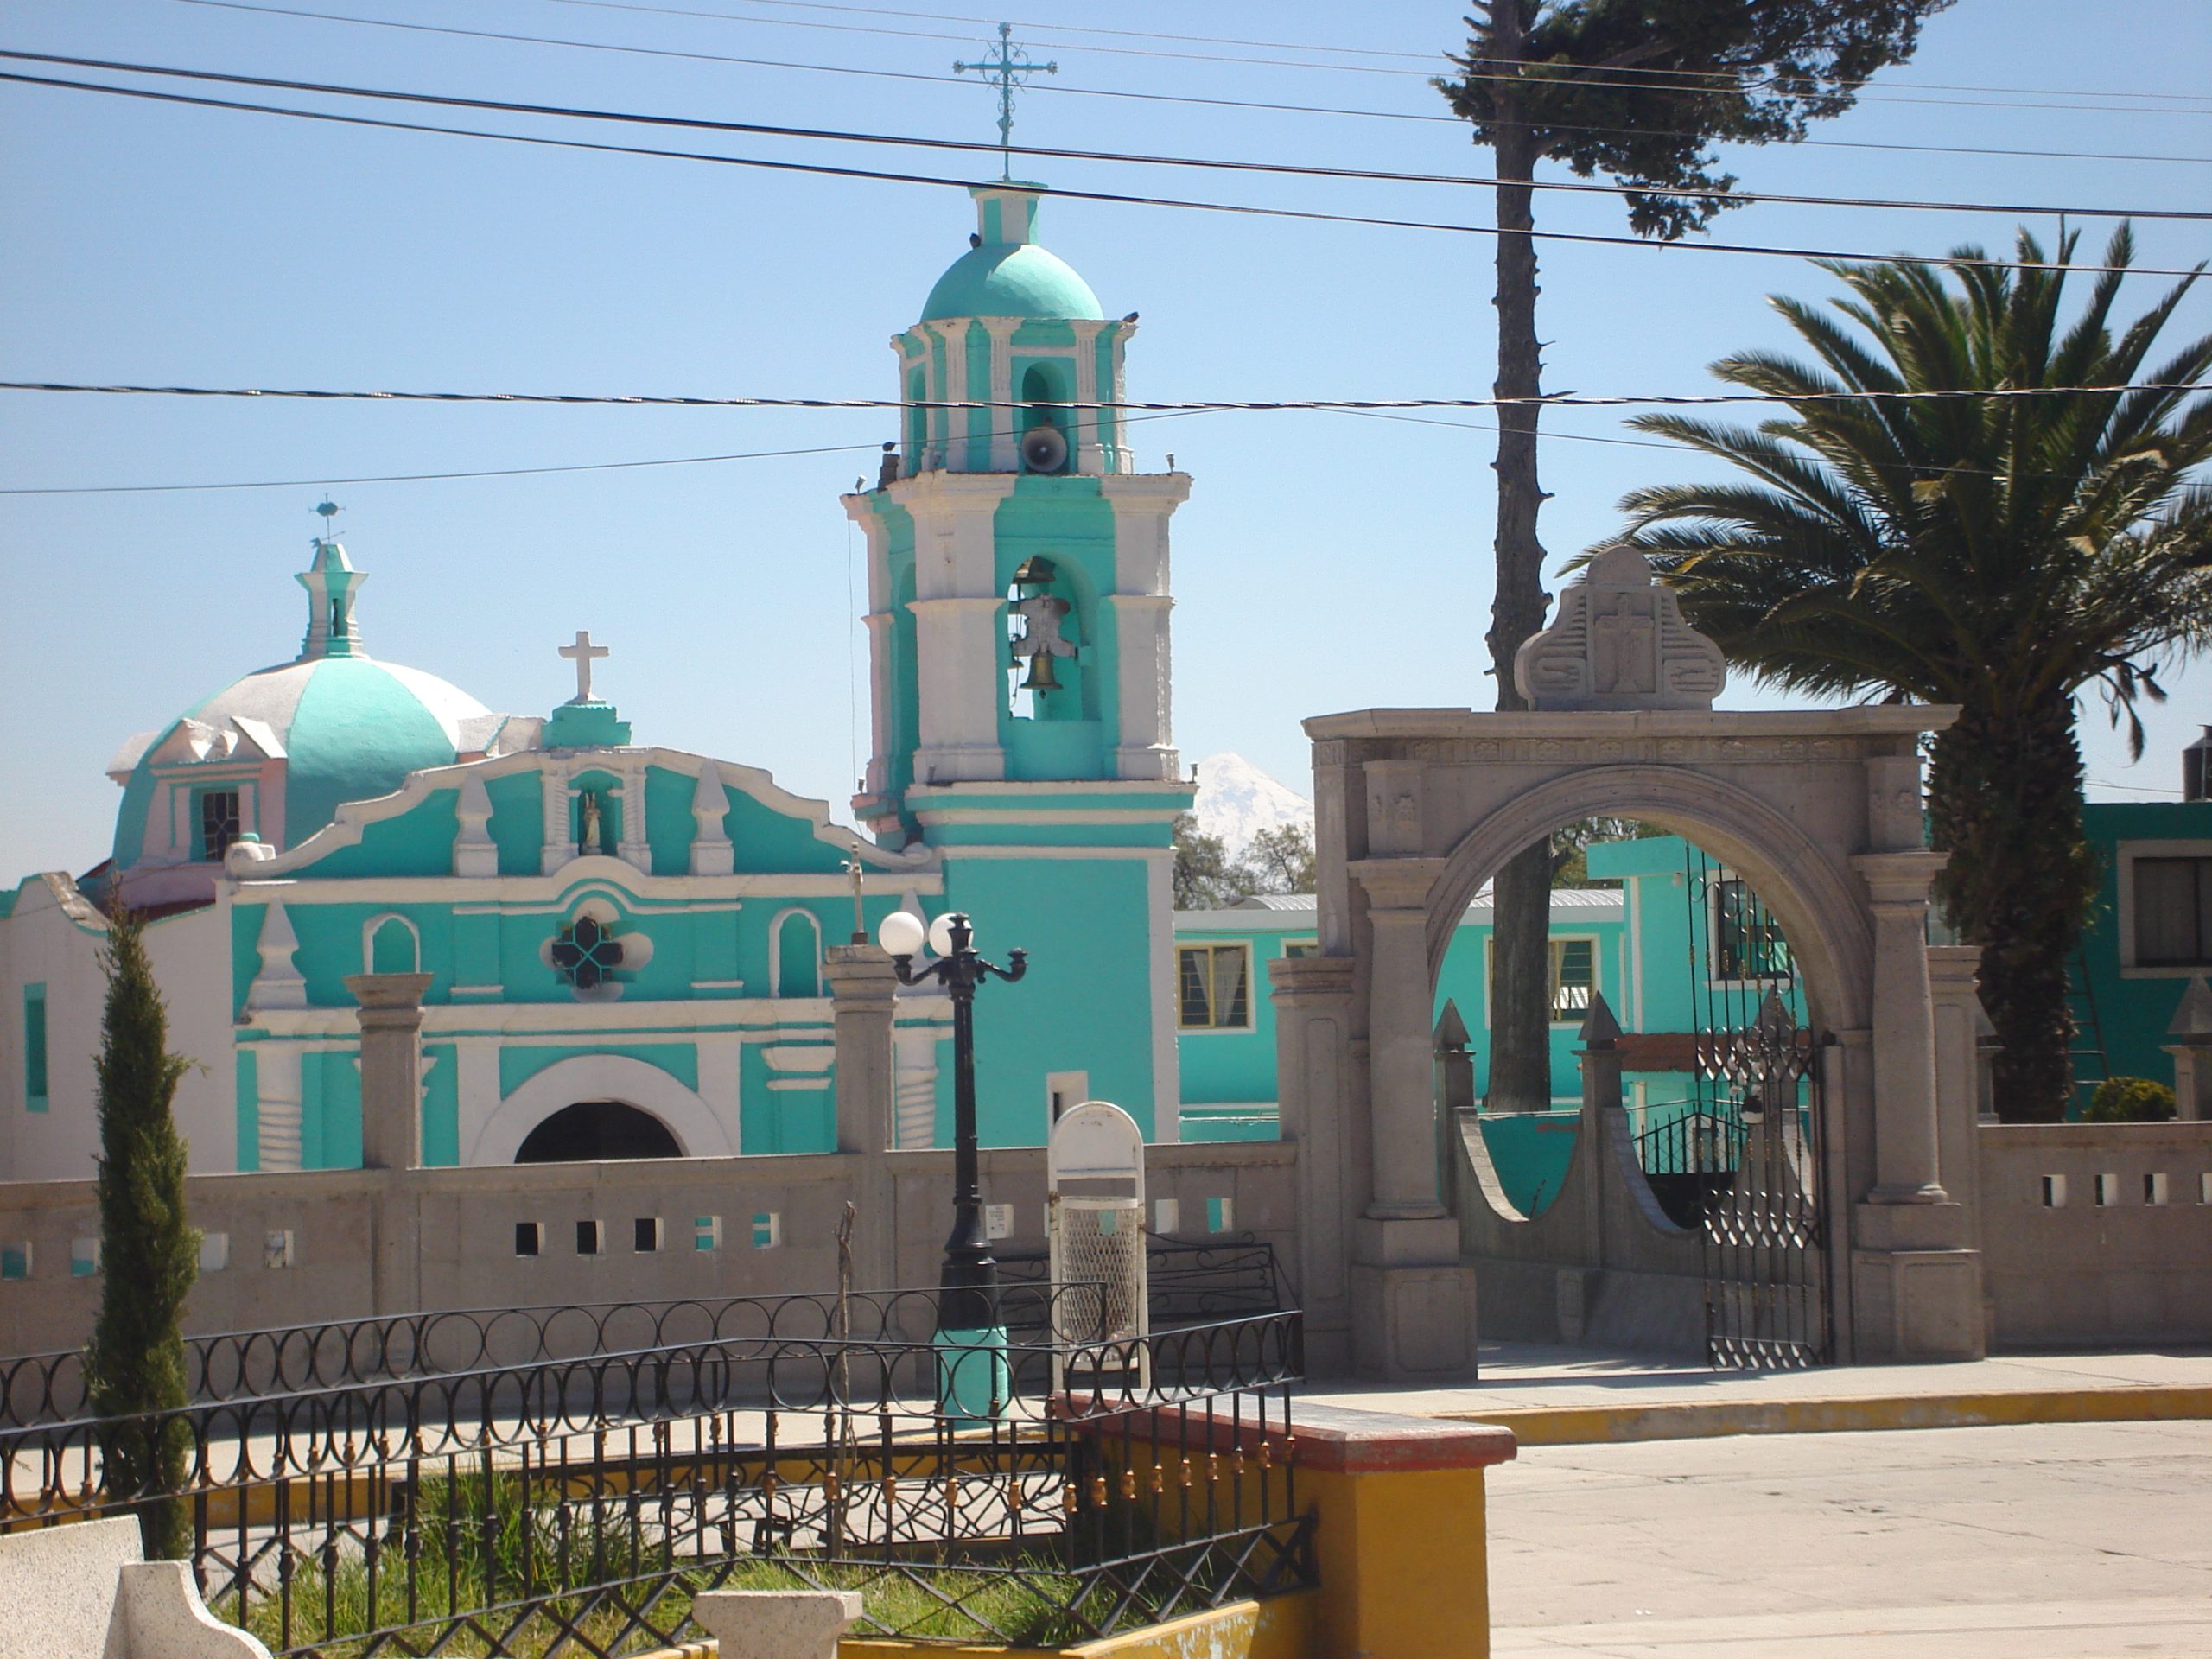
column 968, row 1284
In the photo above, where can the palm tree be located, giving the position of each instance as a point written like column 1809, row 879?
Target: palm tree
column 2002, row 553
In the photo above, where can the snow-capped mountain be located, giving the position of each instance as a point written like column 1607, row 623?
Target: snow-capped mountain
column 1237, row 800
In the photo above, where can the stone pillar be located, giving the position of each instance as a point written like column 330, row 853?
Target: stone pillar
column 1914, row 1282
column 863, row 987
column 1413, row 1302
column 391, row 1052
column 2191, row 1049
column 392, row 1132
column 1313, row 1003
column 1906, row 1159
column 1401, row 1066
column 1956, row 1013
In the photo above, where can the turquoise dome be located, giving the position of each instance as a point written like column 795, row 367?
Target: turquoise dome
column 342, row 729
column 1012, row 279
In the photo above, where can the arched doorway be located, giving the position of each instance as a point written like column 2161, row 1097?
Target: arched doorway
column 1820, row 810
column 594, row 1130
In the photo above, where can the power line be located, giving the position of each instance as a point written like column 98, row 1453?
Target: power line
column 1304, row 46
column 323, row 481
column 1119, row 198
column 838, row 135
column 1196, row 405
column 1307, row 46
column 428, row 478
column 1623, row 80
column 1065, row 90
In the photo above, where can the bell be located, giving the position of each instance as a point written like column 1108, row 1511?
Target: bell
column 1035, row 572
column 1041, row 677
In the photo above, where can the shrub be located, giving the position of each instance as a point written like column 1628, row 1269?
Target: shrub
column 2130, row 1100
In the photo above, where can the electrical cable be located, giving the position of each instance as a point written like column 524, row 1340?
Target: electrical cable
column 1192, row 406
column 842, row 135
column 1298, row 46
column 1063, row 89
column 1443, row 61
column 326, row 481
column 1120, row 198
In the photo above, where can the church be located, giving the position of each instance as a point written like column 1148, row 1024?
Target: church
column 619, row 947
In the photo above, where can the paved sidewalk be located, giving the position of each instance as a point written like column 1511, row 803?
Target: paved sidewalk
column 2055, row 1540
column 1559, row 1396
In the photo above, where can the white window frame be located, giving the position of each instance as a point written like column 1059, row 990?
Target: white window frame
column 2124, row 856
column 1597, row 944
column 1251, row 990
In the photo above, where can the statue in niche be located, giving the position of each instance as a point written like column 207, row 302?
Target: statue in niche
column 591, row 836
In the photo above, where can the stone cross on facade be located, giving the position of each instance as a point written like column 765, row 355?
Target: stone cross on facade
column 582, row 654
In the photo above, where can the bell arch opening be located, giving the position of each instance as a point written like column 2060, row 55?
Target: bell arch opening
column 594, row 1131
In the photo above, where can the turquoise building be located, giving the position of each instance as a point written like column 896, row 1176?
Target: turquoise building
column 1673, row 942
column 623, row 943
column 2150, row 933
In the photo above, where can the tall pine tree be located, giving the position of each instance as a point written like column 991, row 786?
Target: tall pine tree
column 1640, row 90
column 149, row 1255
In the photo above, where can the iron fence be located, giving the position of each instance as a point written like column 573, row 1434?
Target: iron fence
column 1192, row 1283
column 577, row 1504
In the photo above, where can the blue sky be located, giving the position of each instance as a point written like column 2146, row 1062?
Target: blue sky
column 1325, row 561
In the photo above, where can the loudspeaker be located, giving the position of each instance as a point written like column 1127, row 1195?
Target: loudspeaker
column 1043, row 449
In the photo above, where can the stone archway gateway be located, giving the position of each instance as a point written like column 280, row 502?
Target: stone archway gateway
column 1820, row 810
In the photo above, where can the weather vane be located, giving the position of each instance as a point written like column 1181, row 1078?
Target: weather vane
column 328, row 509
column 1013, row 69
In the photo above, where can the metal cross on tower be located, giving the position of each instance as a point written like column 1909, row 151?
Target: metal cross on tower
column 1012, row 69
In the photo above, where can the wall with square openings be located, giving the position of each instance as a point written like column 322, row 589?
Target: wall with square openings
column 2096, row 1233
column 286, row 1249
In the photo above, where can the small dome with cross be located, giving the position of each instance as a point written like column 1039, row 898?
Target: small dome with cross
column 1005, row 273
column 273, row 755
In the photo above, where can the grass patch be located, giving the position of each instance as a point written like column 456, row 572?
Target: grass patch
column 475, row 1568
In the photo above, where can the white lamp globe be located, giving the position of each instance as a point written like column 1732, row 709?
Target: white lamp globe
column 901, row 934
column 941, row 934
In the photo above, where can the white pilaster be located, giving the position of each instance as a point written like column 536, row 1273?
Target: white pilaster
column 559, row 840
column 1006, row 456
column 958, row 422
column 277, row 1103
column 1142, row 505
column 279, row 984
column 473, row 850
column 956, row 609
column 633, row 848
column 1089, row 457
column 711, row 852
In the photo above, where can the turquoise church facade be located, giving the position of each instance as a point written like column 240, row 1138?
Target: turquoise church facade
column 623, row 945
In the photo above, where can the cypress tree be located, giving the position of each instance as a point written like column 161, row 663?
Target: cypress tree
column 148, row 1256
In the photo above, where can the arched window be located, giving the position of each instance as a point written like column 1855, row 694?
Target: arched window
column 393, row 946
column 592, row 1130
column 795, row 954
column 1046, row 393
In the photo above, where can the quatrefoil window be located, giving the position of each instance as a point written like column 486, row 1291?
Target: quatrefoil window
column 587, row 953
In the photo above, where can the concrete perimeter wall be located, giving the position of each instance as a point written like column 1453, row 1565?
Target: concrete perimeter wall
column 2082, row 1246
column 338, row 1244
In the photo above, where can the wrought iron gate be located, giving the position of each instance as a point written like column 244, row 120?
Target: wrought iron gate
column 1766, row 1274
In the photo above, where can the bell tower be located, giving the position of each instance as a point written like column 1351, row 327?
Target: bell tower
column 1018, row 561
column 1018, row 629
